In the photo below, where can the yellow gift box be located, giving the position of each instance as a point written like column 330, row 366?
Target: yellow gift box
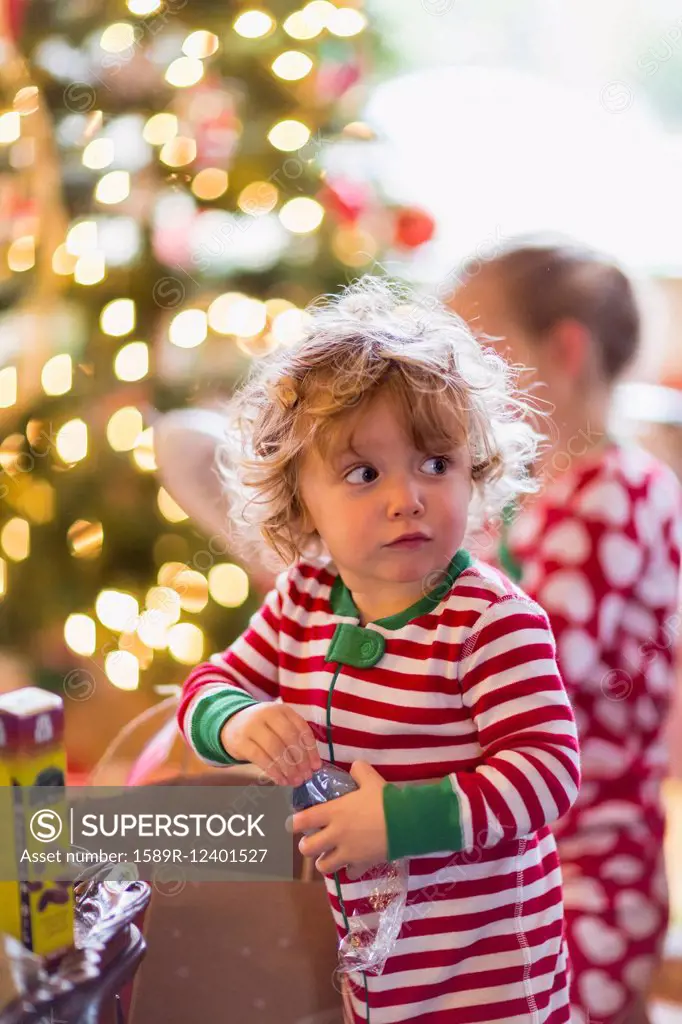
column 40, row 911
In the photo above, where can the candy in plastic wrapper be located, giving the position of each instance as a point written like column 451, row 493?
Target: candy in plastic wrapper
column 372, row 931
column 327, row 783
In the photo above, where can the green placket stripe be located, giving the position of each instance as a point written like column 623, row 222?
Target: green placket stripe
column 336, row 874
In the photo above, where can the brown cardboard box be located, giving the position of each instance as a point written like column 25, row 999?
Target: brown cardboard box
column 239, row 952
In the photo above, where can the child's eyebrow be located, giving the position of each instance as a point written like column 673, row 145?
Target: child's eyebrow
column 342, row 454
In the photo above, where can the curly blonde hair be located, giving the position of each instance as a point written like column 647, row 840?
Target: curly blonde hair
column 376, row 336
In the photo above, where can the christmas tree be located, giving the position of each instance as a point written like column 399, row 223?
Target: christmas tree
column 178, row 181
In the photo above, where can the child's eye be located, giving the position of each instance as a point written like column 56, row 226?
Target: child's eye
column 362, row 470
column 441, row 460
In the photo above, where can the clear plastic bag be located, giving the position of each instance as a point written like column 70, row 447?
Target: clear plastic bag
column 372, row 931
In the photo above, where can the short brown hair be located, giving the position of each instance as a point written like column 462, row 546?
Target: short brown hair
column 546, row 279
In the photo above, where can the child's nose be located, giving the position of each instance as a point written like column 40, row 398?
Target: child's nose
column 406, row 500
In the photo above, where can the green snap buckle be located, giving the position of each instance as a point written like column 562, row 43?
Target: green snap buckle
column 356, row 646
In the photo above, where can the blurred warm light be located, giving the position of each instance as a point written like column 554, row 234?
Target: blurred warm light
column 10, row 127
column 168, row 572
column 166, row 602
column 116, row 610
column 179, row 151
column 98, row 154
column 124, row 428
column 319, row 11
column 192, row 588
column 168, row 508
column 290, row 326
column 359, row 130
column 301, row 215
column 85, row 538
column 93, row 124
column 15, row 539
column 300, row 26
column 27, row 100
column 80, row 634
column 117, row 37
column 114, row 187
column 8, row 386
column 257, row 347
column 72, row 441
column 37, row 502
column 142, row 7
column 90, row 269
column 57, row 375
column 152, row 630
column 131, row 642
column 258, row 198
column 273, row 307
column 118, row 317
column 63, row 262
column 3, row 577
column 346, row 21
column 292, row 65
column 200, row 44
column 210, row 183
column 288, row 135
column 143, row 452
column 82, row 238
column 219, row 312
column 184, row 71
column 122, row 669
column 228, row 585
column 188, row 328
column 233, row 313
column 11, row 449
column 186, row 643
column 253, row 24
column 21, row 254
column 353, row 246
column 171, row 547
column 160, row 128
column 132, row 361
column 248, row 317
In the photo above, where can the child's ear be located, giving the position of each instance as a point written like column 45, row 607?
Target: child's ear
column 571, row 347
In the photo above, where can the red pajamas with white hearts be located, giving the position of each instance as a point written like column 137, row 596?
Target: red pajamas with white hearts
column 599, row 549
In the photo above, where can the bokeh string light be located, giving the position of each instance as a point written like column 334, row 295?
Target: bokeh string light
column 196, row 150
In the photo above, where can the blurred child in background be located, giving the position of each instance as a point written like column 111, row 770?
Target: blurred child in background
column 598, row 547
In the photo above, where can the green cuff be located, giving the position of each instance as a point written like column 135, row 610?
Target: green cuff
column 208, row 720
column 422, row 819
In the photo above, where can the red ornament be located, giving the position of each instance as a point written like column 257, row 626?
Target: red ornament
column 345, row 200
column 413, row 227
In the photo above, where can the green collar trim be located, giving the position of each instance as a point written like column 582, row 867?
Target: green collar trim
column 342, row 601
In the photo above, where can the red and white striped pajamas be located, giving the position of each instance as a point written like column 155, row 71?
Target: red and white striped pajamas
column 461, row 690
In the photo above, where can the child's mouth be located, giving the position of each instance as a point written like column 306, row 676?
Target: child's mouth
column 412, row 541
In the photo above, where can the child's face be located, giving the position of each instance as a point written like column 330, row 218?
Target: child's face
column 361, row 503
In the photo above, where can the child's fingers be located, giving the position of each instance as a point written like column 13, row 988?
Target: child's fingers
column 310, row 819
column 263, row 753
column 293, row 758
column 306, row 742
column 330, row 862
column 314, row 845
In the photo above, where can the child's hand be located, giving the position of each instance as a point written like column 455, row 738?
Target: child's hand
column 276, row 739
column 352, row 827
